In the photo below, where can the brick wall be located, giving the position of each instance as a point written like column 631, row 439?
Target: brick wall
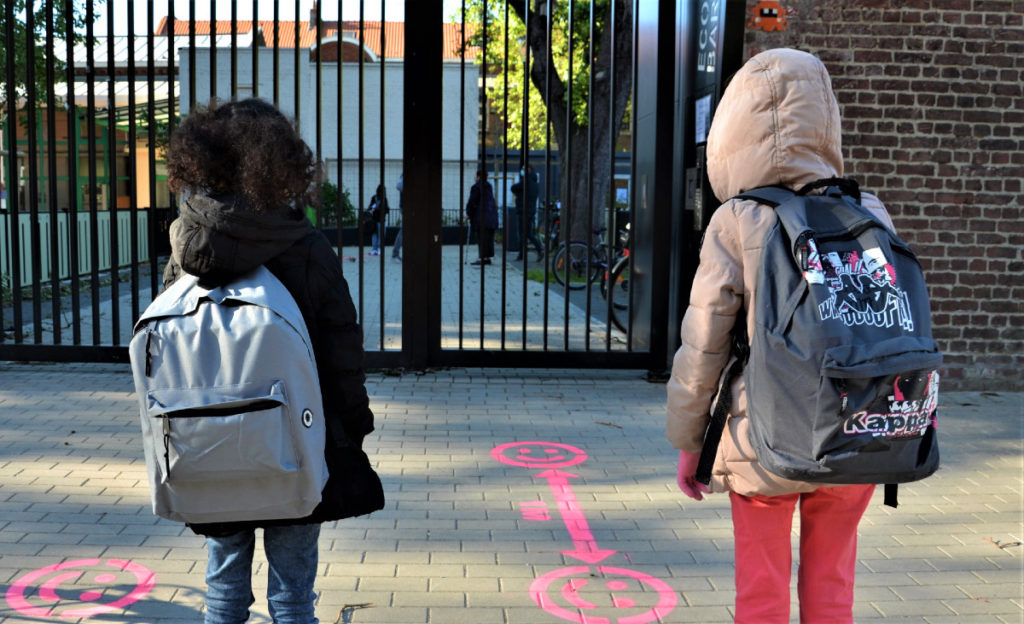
column 933, row 122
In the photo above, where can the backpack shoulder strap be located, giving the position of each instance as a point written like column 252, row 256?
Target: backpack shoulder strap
column 770, row 195
column 776, row 195
column 723, row 402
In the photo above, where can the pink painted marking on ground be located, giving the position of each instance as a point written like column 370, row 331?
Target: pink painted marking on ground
column 19, row 590
column 535, row 454
column 586, row 548
column 576, row 579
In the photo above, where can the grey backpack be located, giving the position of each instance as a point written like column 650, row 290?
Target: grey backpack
column 841, row 375
column 232, row 418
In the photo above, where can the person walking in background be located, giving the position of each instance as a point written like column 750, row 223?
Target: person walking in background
column 242, row 171
column 777, row 124
column 526, row 190
column 378, row 213
column 482, row 212
column 396, row 251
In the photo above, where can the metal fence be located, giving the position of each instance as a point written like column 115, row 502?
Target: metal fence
column 429, row 100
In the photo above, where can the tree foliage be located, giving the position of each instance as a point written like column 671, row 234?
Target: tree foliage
column 331, row 196
column 569, row 64
column 506, row 51
column 25, row 50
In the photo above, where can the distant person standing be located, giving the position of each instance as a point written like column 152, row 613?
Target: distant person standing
column 396, row 251
column 526, row 190
column 378, row 213
column 482, row 212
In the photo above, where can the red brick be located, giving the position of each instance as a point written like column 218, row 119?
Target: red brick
column 932, row 97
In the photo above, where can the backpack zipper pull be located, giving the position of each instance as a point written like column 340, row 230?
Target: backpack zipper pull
column 167, row 445
column 149, row 353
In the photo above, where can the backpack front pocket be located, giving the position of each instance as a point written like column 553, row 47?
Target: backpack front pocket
column 876, row 417
column 237, row 433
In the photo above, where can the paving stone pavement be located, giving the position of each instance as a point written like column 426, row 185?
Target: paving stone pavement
column 590, row 524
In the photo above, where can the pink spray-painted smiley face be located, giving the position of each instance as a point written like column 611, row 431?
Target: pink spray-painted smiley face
column 603, row 595
column 539, row 454
column 80, row 589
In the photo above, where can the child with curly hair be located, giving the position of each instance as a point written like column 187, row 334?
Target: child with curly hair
column 243, row 174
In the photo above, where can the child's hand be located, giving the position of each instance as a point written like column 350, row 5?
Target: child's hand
column 685, row 476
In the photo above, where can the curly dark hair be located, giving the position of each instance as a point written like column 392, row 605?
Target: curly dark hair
column 246, row 148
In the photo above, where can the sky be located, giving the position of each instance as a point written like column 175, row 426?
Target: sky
column 394, row 11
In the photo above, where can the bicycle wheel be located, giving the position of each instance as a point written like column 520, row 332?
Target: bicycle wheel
column 618, row 291
column 576, row 263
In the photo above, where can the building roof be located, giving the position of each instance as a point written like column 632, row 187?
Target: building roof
column 164, row 42
column 371, row 34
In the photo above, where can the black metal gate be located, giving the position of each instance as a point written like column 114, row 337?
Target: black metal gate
column 414, row 107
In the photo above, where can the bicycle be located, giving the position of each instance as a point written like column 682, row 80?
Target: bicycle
column 576, row 264
column 616, row 285
column 580, row 264
column 549, row 227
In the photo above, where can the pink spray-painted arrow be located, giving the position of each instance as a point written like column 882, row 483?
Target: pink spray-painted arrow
column 575, row 522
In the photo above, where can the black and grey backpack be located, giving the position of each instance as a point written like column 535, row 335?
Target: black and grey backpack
column 842, row 373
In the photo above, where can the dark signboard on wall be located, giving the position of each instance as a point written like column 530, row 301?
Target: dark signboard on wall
column 718, row 46
column 709, row 48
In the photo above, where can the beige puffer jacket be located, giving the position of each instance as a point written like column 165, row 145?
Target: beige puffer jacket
column 778, row 123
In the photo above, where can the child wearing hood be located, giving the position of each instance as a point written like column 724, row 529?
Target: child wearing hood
column 243, row 174
column 777, row 124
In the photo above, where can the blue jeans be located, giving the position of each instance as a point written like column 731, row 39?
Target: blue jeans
column 396, row 251
column 292, row 554
column 378, row 237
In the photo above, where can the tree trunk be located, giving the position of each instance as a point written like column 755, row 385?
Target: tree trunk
column 587, row 154
column 586, row 181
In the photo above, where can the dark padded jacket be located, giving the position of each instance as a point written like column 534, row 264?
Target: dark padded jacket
column 219, row 238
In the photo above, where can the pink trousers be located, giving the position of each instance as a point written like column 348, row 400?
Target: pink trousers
column 828, row 554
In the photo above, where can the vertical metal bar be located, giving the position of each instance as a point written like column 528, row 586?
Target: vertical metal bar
column 632, row 175
column 423, row 81
column 483, row 167
column 383, row 226
column 51, row 160
column 257, row 34
column 172, row 76
column 234, row 49
column 192, row 95
column 613, row 132
column 548, row 251
column 504, row 187
column 133, row 200
column 462, row 171
column 13, row 185
column 213, row 49
column 360, row 116
column 319, row 110
column 277, row 51
column 93, row 140
column 295, row 65
column 590, row 237
column 151, row 151
column 172, row 81
column 339, row 98
column 115, row 313
column 524, row 148
column 565, row 155
column 73, row 133
column 33, row 171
